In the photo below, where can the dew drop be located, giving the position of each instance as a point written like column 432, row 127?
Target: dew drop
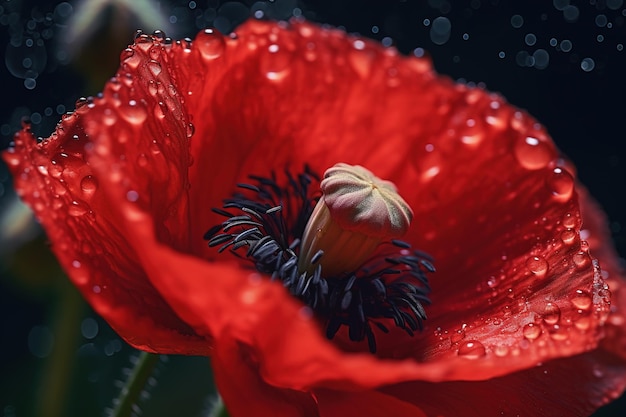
column 501, row 350
column 558, row 333
column 190, row 130
column 155, row 52
column 581, row 259
column 276, row 65
column 12, row 158
column 78, row 208
column 88, row 185
column 142, row 160
column 210, row 43
column 531, row 331
column 472, row 350
column 561, row 183
column 532, row 153
column 58, row 204
column 361, row 59
column 129, row 58
column 568, row 236
column 537, row 265
column 551, row 314
column 155, row 148
column 583, row 323
column 152, row 87
column 109, row 117
column 457, row 336
column 126, row 54
column 569, row 221
column 582, row 300
column 134, row 113
column 154, row 67
column 81, row 102
column 42, row 169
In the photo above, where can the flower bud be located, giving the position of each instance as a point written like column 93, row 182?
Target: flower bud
column 357, row 211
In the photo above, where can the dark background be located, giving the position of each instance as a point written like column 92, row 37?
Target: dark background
column 58, row 358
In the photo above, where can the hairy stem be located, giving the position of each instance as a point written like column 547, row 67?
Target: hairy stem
column 134, row 385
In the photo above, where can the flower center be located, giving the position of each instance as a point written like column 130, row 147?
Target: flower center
column 337, row 252
column 356, row 213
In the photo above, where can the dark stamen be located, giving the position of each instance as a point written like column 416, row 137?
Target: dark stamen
column 270, row 219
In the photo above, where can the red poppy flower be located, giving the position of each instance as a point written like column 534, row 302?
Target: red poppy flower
column 521, row 319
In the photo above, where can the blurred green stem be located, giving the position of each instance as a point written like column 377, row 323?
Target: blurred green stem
column 219, row 410
column 57, row 370
column 134, row 385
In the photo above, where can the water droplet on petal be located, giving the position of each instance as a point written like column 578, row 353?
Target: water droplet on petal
column 501, row 350
column 155, row 147
column 152, row 87
column 154, row 67
column 561, row 183
column 568, row 236
column 88, row 185
column 551, row 314
column 457, row 336
column 81, row 102
column 581, row 259
column 582, row 300
column 361, row 59
column 78, row 208
column 42, row 169
column 134, row 112
column 537, row 265
column 532, row 153
column 276, row 64
column 142, row 160
column 531, row 331
column 109, row 117
column 126, row 53
column 130, row 59
column 570, row 221
column 210, row 43
column 472, row 350
column 558, row 333
column 583, row 323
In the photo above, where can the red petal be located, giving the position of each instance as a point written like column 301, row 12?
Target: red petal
column 367, row 403
column 246, row 394
column 477, row 153
column 82, row 221
column 573, row 387
column 596, row 232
